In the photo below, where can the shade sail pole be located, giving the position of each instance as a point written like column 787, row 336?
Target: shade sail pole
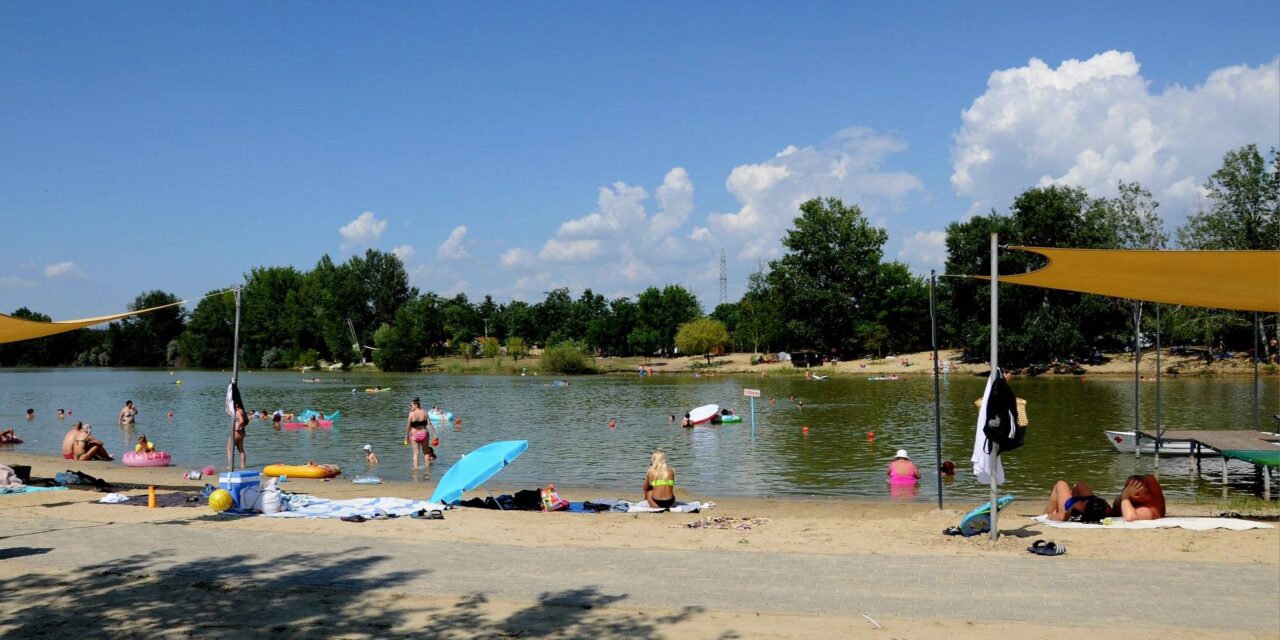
column 1137, row 379
column 995, row 307
column 1257, row 408
column 1159, row 422
column 937, row 394
column 235, row 370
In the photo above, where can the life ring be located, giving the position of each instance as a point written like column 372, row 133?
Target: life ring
column 147, row 459
column 302, row 470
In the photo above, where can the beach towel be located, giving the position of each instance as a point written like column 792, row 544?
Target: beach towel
column 679, row 507
column 9, row 477
column 28, row 489
column 305, row 506
column 1194, row 524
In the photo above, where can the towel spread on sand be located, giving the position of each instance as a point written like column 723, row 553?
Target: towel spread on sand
column 679, row 507
column 28, row 489
column 1194, row 524
column 303, row 506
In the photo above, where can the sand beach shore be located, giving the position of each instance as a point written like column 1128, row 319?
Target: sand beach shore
column 777, row 568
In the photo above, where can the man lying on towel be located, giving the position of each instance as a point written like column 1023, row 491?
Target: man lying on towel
column 1141, row 499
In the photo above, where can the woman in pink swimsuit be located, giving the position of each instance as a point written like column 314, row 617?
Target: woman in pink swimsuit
column 902, row 471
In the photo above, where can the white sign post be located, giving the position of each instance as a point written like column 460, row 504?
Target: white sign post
column 753, row 394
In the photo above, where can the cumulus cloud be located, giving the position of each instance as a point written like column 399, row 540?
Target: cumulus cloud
column 14, row 282
column 364, row 231
column 404, row 252
column 675, row 202
column 849, row 166
column 924, row 250
column 453, row 248
column 1095, row 122
column 62, row 270
column 557, row 250
column 516, row 257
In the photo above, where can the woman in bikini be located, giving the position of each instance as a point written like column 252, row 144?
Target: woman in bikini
column 417, row 430
column 660, row 482
column 236, row 440
column 87, row 447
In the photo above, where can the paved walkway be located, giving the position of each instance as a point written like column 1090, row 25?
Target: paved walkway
column 1031, row 588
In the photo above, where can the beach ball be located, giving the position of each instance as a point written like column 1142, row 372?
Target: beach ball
column 220, row 500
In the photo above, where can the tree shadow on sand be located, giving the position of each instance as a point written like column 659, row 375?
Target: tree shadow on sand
column 300, row 595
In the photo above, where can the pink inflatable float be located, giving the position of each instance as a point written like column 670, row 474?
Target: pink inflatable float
column 304, row 425
column 147, row 459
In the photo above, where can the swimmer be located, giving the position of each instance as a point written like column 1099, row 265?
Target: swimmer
column 370, row 457
column 31, row 414
column 127, row 413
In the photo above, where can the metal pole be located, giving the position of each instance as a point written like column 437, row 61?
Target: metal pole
column 753, row 421
column 1257, row 408
column 1159, row 422
column 235, row 369
column 1137, row 379
column 995, row 306
column 937, row 393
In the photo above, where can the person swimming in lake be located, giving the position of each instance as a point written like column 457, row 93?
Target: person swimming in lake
column 128, row 413
column 687, row 422
column 948, row 470
column 902, row 470
column 31, row 414
column 370, row 457
column 313, row 422
column 417, row 430
column 660, row 482
column 61, row 414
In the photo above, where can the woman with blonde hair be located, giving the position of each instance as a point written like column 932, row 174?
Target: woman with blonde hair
column 660, row 482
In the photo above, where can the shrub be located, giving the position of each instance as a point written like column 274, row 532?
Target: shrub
column 567, row 357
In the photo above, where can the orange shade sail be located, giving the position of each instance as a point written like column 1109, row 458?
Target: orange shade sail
column 16, row 329
column 1236, row 280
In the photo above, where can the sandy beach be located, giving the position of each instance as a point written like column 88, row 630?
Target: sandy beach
column 61, row 538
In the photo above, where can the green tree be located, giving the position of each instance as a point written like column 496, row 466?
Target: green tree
column 208, row 339
column 516, row 348
column 489, row 347
column 703, row 335
column 142, row 340
column 1243, row 205
column 826, row 276
column 567, row 357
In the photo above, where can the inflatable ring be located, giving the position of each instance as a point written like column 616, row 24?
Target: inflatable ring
column 302, row 470
column 147, row 459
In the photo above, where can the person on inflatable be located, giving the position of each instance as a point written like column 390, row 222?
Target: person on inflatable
column 9, row 437
column 144, row 445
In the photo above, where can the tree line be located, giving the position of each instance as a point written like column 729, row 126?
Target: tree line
column 831, row 292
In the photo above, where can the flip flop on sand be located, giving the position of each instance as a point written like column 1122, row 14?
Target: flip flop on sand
column 355, row 518
column 952, row 531
column 1042, row 548
column 423, row 514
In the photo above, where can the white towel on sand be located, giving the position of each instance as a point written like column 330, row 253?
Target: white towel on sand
column 679, row 507
column 1194, row 524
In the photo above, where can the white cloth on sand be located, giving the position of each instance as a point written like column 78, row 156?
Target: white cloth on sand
column 1194, row 524
column 981, row 459
column 113, row 498
column 9, row 478
column 313, row 507
column 679, row 507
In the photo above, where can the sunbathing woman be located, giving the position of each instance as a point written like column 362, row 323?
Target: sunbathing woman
column 1141, row 499
column 87, row 447
column 660, row 482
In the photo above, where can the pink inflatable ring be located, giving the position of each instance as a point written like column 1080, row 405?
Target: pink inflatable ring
column 147, row 459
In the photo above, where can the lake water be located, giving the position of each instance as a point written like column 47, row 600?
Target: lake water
column 571, row 444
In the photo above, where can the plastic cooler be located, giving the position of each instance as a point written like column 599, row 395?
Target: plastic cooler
column 242, row 485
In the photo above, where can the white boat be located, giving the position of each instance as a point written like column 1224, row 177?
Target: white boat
column 1123, row 441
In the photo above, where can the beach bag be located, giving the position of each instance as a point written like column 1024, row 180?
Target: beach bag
column 1002, row 425
column 551, row 500
column 268, row 500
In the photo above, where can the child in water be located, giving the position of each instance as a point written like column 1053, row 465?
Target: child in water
column 370, row 457
column 144, row 445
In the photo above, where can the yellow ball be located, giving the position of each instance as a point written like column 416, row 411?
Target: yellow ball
column 221, row 500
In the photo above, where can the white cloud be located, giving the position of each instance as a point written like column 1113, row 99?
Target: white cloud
column 364, row 231
column 557, row 250
column 675, row 201
column 516, row 257
column 1093, row 123
column 452, row 248
column 14, row 282
column 924, row 250
column 619, row 209
column 847, row 167
column 62, row 270
column 404, row 252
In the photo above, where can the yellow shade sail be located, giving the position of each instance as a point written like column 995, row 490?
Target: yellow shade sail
column 16, row 329
column 1237, row 280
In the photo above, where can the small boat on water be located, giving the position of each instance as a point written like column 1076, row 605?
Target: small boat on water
column 704, row 413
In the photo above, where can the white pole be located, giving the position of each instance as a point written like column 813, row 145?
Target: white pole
column 995, row 306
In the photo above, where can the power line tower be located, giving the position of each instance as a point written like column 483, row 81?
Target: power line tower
column 724, row 280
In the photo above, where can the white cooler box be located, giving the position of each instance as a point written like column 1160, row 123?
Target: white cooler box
column 242, row 485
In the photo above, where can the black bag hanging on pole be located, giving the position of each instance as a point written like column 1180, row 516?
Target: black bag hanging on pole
column 1002, row 426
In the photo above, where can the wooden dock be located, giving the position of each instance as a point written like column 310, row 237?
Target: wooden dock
column 1219, row 441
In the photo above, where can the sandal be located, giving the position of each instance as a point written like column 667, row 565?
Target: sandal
column 1042, row 548
column 952, row 531
column 355, row 518
column 423, row 514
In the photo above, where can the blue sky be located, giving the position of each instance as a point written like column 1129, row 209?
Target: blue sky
column 515, row 149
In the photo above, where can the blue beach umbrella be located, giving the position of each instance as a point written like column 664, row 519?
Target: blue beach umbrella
column 475, row 468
